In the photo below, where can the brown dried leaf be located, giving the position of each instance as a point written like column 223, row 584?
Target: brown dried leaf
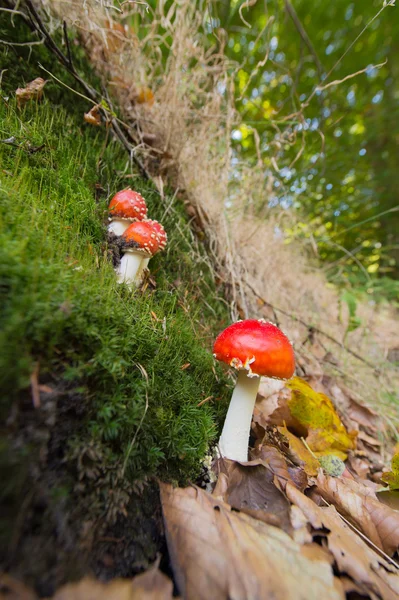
column 373, row 574
column 300, row 454
column 33, row 91
column 359, row 504
column 273, row 409
column 93, row 117
column 151, row 585
column 220, row 554
column 250, row 488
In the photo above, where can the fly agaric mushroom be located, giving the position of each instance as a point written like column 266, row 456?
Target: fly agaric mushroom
column 139, row 241
column 255, row 348
column 126, row 207
column 162, row 240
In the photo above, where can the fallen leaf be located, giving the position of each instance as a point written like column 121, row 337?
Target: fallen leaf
column 273, row 408
column 151, row 585
column 360, row 466
column 392, row 477
column 93, row 117
column 145, row 96
column 33, row 91
column 300, row 454
column 250, row 487
column 221, row 554
column 315, row 411
column 359, row 504
column 12, row 589
column 376, row 577
column 115, row 36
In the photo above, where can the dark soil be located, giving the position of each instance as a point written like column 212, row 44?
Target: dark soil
column 54, row 523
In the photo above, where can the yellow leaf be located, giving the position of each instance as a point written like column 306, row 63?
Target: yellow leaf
column 145, row 96
column 392, row 477
column 316, row 412
column 301, row 453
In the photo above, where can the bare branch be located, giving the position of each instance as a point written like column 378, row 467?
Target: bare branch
column 311, row 327
column 321, row 88
column 302, row 32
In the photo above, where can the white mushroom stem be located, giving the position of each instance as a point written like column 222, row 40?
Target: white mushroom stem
column 118, row 226
column 233, row 442
column 129, row 266
column 144, row 265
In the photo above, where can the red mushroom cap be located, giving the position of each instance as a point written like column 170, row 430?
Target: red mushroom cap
column 140, row 235
column 128, row 204
column 257, row 346
column 160, row 231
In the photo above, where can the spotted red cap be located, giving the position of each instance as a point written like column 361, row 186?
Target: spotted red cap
column 160, row 231
column 140, row 235
column 128, row 204
column 258, row 346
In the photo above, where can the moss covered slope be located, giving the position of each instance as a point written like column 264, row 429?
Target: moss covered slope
column 63, row 313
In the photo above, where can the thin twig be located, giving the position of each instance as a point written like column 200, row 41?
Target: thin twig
column 36, row 23
column 311, row 327
column 321, row 88
column 68, row 47
column 306, row 39
column 38, row 43
column 363, row 536
column 145, row 375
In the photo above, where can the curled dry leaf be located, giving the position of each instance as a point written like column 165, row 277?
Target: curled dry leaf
column 359, row 504
column 151, row 585
column 93, row 116
column 33, row 91
column 273, row 459
column 300, row 454
column 219, row 553
column 271, row 407
column 316, row 412
column 375, row 576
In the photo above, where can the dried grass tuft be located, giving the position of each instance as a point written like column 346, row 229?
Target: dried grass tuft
column 176, row 91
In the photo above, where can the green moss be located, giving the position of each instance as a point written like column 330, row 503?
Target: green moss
column 62, row 307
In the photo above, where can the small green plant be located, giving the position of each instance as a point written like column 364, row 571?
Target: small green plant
column 354, row 321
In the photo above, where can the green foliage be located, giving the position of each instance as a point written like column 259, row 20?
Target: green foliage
column 337, row 159
column 62, row 308
column 350, row 301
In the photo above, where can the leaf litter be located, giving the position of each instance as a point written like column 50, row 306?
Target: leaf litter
column 278, row 526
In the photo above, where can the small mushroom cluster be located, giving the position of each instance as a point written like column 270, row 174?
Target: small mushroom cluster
column 140, row 237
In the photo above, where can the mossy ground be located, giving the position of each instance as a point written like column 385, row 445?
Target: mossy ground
column 101, row 351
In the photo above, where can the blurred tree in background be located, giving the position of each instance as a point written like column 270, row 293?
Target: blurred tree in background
column 317, row 90
column 331, row 150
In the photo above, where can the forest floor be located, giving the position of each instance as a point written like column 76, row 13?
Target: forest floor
column 106, row 390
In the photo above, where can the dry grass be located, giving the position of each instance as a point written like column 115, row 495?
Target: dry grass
column 185, row 122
